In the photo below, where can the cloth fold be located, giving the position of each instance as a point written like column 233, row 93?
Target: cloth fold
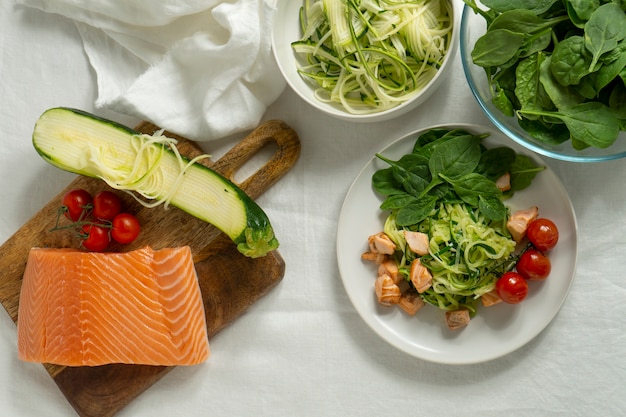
column 201, row 68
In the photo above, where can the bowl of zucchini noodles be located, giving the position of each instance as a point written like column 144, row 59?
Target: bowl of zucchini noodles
column 365, row 61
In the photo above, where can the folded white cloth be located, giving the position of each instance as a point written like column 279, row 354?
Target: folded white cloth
column 199, row 68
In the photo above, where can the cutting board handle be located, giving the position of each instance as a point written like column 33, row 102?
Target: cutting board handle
column 285, row 155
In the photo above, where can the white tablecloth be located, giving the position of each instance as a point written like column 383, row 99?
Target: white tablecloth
column 302, row 350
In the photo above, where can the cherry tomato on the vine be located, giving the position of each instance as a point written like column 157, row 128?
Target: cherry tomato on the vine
column 97, row 237
column 106, row 205
column 543, row 234
column 512, row 288
column 534, row 265
column 125, row 228
column 77, row 204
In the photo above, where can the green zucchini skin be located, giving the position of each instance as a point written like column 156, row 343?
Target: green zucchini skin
column 61, row 128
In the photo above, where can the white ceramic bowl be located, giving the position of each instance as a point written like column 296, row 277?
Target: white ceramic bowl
column 287, row 30
column 472, row 27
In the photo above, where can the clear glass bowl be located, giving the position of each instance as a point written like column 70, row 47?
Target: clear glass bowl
column 472, row 27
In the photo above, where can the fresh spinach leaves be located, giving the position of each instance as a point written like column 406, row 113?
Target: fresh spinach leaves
column 450, row 166
column 604, row 29
column 559, row 66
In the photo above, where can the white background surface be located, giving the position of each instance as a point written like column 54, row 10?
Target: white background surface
column 302, row 350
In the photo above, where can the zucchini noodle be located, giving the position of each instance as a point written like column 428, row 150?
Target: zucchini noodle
column 146, row 176
column 372, row 55
column 467, row 254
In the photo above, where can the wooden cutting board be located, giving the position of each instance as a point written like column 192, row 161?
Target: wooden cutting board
column 229, row 281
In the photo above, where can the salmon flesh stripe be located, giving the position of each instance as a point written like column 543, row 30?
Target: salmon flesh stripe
column 87, row 309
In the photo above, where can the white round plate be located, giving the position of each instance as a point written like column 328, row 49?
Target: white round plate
column 494, row 331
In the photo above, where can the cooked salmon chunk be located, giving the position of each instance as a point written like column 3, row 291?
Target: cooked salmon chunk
column 411, row 302
column 381, row 243
column 387, row 291
column 420, row 276
column 490, row 298
column 389, row 267
column 518, row 222
column 417, row 241
column 504, row 182
column 457, row 319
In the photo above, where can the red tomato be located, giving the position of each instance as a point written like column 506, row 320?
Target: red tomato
column 97, row 238
column 543, row 234
column 512, row 288
column 76, row 204
column 534, row 265
column 125, row 228
column 106, row 205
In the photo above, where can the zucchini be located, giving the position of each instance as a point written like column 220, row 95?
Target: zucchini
column 150, row 166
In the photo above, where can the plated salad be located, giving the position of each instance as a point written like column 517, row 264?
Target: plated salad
column 449, row 240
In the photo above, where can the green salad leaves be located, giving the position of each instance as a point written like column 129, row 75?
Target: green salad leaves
column 450, row 166
column 446, row 188
column 559, row 66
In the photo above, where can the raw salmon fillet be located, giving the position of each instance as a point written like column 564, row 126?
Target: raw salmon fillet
column 87, row 309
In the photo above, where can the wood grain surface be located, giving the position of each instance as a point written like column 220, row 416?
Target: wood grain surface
column 229, row 281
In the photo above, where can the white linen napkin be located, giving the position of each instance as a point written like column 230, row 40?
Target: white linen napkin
column 199, row 68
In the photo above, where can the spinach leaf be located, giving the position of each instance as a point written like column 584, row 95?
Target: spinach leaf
column 429, row 140
column 604, row 29
column 536, row 6
column 524, row 21
column 415, row 212
column 550, row 133
column 472, row 186
column 587, row 87
column 429, row 136
column 398, row 201
column 384, row 183
column 560, row 95
column 503, row 87
column 502, row 101
column 581, row 10
column 528, row 89
column 570, row 61
column 591, row 123
column 497, row 47
column 609, row 71
column 617, row 100
column 455, row 157
column 523, row 172
column 410, row 171
column 495, row 162
column 536, row 43
column 492, row 208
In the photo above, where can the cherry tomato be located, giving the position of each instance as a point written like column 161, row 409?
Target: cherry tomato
column 97, row 238
column 543, row 234
column 77, row 204
column 106, row 205
column 534, row 265
column 125, row 228
column 512, row 288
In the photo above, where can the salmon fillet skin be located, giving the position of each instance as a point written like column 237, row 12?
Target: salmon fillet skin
column 82, row 308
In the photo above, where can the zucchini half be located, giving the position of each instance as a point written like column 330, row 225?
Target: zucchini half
column 85, row 144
